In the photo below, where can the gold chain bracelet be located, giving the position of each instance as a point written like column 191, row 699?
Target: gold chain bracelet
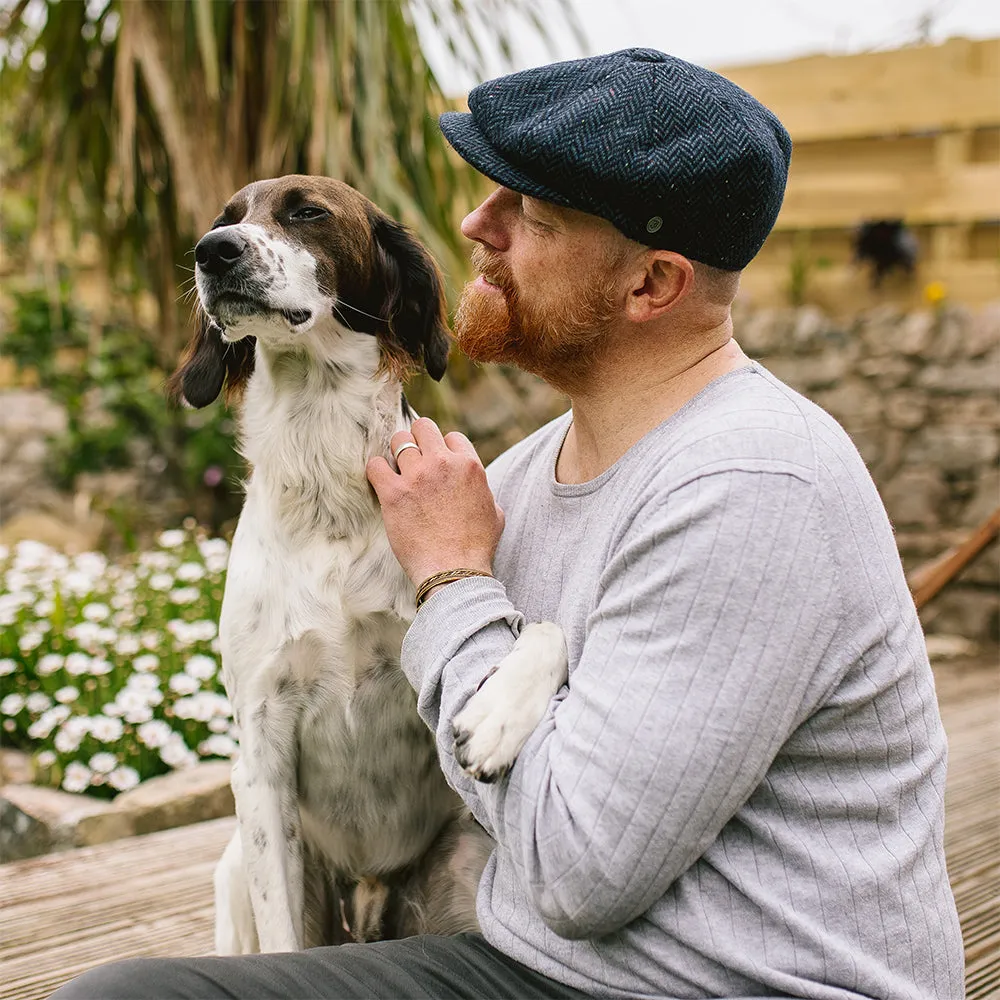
column 445, row 576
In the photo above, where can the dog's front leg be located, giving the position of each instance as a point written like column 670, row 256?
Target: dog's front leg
column 266, row 793
column 498, row 719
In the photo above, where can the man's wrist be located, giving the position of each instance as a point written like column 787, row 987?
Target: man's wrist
column 435, row 581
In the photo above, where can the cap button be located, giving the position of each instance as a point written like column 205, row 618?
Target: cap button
column 654, row 225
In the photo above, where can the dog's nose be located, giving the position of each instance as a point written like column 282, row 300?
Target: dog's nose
column 218, row 251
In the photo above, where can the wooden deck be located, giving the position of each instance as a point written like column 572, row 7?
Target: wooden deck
column 151, row 895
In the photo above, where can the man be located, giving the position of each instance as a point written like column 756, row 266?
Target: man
column 739, row 792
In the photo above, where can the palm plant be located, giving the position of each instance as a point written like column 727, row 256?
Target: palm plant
column 140, row 117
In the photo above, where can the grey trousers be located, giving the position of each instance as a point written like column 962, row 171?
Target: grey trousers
column 463, row 967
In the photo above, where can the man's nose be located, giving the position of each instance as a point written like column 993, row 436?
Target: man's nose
column 487, row 224
column 218, row 251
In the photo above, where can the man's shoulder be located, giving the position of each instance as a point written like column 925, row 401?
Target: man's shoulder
column 747, row 421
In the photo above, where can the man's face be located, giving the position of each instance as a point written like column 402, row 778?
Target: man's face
column 549, row 290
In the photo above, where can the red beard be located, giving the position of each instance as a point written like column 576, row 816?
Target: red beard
column 555, row 339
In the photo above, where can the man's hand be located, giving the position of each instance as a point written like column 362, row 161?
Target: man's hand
column 438, row 510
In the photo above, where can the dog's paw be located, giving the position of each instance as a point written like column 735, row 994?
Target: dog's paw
column 497, row 720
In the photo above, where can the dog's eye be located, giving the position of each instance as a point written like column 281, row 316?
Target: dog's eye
column 308, row 213
column 220, row 221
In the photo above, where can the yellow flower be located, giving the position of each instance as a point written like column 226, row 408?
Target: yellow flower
column 935, row 292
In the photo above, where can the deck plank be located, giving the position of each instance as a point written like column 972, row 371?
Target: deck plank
column 64, row 913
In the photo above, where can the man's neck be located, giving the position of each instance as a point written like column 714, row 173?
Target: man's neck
column 629, row 394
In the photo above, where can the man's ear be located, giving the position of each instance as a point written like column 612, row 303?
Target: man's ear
column 208, row 365
column 413, row 306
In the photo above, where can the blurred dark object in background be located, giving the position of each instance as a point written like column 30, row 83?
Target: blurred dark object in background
column 885, row 244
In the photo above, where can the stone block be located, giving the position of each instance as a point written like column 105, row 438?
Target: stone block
column 964, row 610
column 889, row 371
column 853, row 402
column 914, row 333
column 178, row 798
column 905, row 409
column 808, row 373
column 57, row 821
column 962, row 377
column 983, row 332
column 953, row 448
column 914, row 498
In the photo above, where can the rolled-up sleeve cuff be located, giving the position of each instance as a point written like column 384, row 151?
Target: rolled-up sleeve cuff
column 447, row 619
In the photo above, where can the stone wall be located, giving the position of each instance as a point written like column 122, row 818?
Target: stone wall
column 918, row 392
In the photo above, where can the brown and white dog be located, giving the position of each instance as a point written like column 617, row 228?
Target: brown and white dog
column 314, row 305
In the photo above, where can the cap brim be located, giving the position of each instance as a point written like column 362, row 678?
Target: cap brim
column 460, row 129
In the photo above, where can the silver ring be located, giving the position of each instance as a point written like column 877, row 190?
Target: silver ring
column 399, row 451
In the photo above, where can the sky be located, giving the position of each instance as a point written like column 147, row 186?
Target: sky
column 719, row 33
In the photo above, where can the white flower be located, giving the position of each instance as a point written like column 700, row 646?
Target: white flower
column 8, row 667
column 172, row 539
column 78, row 584
column 12, row 704
column 154, row 734
column 217, row 746
column 91, row 562
column 216, row 646
column 96, row 612
column 189, row 572
column 161, row 581
column 38, row 702
column 30, row 554
column 77, row 664
column 45, row 758
column 113, row 709
column 159, row 562
column 142, row 713
column 42, row 727
column 213, row 547
column 103, row 762
column 127, row 644
column 200, row 667
column 174, row 753
column 67, row 695
column 30, row 640
column 106, row 729
column 145, row 663
column 216, row 564
column 107, row 635
column 218, row 725
column 183, row 684
column 143, row 682
column 68, row 739
column 151, row 640
column 49, row 664
column 123, row 778
column 44, row 607
column 99, row 667
column 184, row 633
column 185, row 595
column 77, row 777
column 204, row 630
column 85, row 633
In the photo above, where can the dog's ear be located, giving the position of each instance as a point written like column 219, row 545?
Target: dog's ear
column 413, row 303
column 208, row 365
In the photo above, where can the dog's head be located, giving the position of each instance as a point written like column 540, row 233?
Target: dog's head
column 296, row 261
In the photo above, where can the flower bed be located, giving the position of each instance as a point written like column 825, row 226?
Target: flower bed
column 109, row 670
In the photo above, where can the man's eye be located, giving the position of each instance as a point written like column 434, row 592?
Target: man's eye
column 308, row 213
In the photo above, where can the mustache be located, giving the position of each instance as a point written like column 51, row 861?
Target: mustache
column 494, row 269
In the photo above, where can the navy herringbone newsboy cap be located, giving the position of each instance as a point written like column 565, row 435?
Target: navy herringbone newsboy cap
column 676, row 156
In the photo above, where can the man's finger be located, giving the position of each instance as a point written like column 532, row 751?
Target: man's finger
column 380, row 475
column 427, row 436
column 460, row 444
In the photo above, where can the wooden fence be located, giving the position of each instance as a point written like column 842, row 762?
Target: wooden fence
column 911, row 133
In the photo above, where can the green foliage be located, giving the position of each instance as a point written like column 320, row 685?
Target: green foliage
column 110, row 670
column 113, row 391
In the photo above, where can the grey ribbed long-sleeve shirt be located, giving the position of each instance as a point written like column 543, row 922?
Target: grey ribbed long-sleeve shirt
column 740, row 792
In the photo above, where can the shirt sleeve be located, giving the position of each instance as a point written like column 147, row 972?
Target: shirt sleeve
column 700, row 656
